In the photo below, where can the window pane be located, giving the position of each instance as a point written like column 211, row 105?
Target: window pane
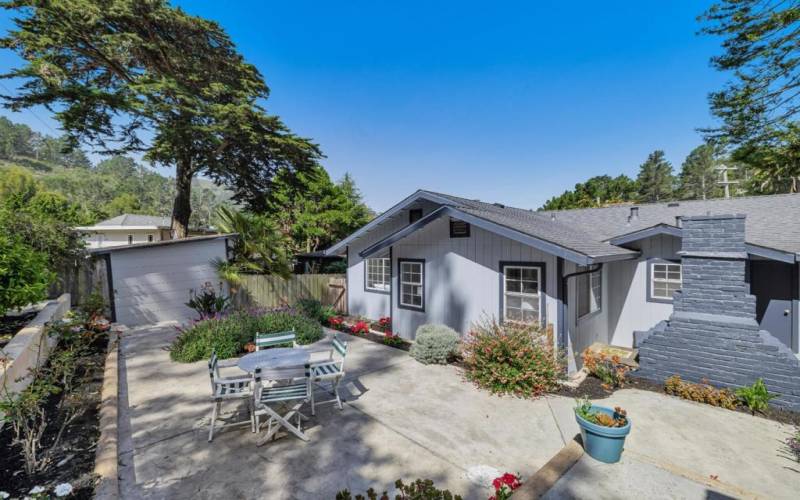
column 530, row 287
column 530, row 304
column 514, row 315
column 514, row 302
column 513, row 273
column 513, row 286
column 530, row 273
column 674, row 275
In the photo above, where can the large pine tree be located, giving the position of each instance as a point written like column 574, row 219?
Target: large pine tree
column 698, row 177
column 655, row 178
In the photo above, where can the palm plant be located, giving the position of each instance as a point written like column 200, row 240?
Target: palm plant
column 258, row 249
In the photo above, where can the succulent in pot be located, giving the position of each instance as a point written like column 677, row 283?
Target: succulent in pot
column 603, row 430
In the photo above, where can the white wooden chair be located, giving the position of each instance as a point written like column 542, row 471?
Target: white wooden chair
column 267, row 340
column 287, row 387
column 227, row 389
column 330, row 370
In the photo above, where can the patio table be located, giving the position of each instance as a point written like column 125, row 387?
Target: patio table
column 276, row 357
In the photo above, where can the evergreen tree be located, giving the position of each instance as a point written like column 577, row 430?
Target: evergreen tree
column 655, row 178
column 598, row 191
column 698, row 177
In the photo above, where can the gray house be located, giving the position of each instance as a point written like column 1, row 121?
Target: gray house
column 593, row 274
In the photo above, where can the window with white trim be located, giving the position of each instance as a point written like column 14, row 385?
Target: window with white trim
column 590, row 292
column 521, row 299
column 665, row 279
column 379, row 274
column 412, row 284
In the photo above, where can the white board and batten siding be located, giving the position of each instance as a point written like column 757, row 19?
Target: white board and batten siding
column 152, row 283
column 462, row 276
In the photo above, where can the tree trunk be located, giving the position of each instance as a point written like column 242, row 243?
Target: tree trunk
column 182, row 208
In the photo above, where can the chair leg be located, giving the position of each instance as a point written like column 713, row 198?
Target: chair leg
column 313, row 409
column 336, row 392
column 213, row 420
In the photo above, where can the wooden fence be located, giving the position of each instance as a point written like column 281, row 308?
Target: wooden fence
column 273, row 291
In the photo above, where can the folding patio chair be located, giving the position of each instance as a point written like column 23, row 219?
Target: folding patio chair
column 287, row 387
column 266, row 340
column 227, row 389
column 330, row 370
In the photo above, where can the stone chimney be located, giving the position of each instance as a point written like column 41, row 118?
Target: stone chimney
column 712, row 333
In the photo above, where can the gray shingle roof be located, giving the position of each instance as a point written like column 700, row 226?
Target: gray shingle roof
column 136, row 220
column 772, row 221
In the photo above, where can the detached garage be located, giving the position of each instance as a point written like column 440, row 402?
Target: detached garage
column 150, row 282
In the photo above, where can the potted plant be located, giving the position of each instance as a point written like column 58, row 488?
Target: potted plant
column 603, row 430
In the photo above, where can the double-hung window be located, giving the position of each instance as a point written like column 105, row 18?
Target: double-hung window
column 412, row 284
column 521, row 293
column 665, row 279
column 590, row 292
column 379, row 274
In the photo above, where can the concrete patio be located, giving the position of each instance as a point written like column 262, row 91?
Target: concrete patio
column 406, row 420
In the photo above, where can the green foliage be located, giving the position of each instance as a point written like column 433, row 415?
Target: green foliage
column 755, row 397
column 17, row 187
column 259, row 248
column 599, row 191
column 177, row 77
column 24, row 275
column 583, row 409
column 312, row 308
column 93, row 305
column 655, row 180
column 420, row 489
column 434, row 344
column 313, row 212
column 698, row 177
column 228, row 335
column 512, row 359
column 208, row 302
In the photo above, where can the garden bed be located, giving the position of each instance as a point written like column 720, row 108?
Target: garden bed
column 375, row 331
column 72, row 459
column 10, row 325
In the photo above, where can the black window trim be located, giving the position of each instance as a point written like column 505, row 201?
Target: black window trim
column 400, row 305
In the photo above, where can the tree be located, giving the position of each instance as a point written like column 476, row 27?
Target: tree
column 176, row 75
column 598, row 191
column 698, row 177
column 655, row 178
column 17, row 187
column 125, row 203
column 312, row 211
column 774, row 166
column 24, row 276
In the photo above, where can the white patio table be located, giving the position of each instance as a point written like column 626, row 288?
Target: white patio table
column 276, row 357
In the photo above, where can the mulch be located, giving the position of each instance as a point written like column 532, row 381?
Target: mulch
column 74, row 460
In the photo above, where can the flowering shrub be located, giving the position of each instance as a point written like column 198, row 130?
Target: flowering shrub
column 702, row 393
column 420, row 489
column 383, row 324
column 608, row 369
column 336, row 322
column 504, row 486
column 512, row 359
column 360, row 328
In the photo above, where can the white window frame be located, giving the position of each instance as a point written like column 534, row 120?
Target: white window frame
column 420, row 285
column 536, row 296
column 667, row 280
column 594, row 281
column 384, row 271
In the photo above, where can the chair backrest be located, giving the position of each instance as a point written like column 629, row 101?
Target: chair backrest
column 282, row 376
column 341, row 348
column 265, row 340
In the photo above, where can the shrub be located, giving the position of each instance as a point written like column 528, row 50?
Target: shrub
column 312, row 308
column 392, row 339
column 421, row 489
column 512, row 359
column 360, row 328
column 336, row 322
column 208, row 303
column 609, row 370
column 228, row 335
column 24, row 274
column 383, row 324
column 755, row 397
column 702, row 393
column 434, row 344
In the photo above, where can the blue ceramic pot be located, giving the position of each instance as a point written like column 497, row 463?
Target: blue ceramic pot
column 603, row 443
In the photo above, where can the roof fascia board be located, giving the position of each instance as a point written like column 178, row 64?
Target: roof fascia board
column 771, row 253
column 119, row 228
column 614, row 258
column 402, row 233
column 646, row 233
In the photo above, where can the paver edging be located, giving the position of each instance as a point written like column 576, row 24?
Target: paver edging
column 546, row 477
column 106, row 462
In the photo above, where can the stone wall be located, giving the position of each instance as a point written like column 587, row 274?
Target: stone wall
column 712, row 333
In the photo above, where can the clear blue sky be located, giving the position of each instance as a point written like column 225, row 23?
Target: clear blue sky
column 505, row 101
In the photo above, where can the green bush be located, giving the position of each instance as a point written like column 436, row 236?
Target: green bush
column 434, row 344
column 312, row 308
column 755, row 397
column 512, row 359
column 24, row 274
column 229, row 334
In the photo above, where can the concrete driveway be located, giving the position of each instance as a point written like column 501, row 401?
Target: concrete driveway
column 406, row 420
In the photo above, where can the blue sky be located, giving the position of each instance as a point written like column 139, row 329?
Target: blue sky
column 505, row 101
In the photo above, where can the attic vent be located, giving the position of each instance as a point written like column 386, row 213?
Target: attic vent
column 673, row 204
column 500, row 205
column 552, row 216
column 634, row 214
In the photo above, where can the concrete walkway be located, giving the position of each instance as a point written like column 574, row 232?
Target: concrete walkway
column 406, row 420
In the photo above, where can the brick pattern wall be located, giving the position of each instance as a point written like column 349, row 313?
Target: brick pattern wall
column 712, row 333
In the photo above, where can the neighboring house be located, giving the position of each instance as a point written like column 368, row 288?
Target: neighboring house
column 130, row 229
column 595, row 275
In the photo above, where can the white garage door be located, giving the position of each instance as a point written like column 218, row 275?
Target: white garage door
column 152, row 283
